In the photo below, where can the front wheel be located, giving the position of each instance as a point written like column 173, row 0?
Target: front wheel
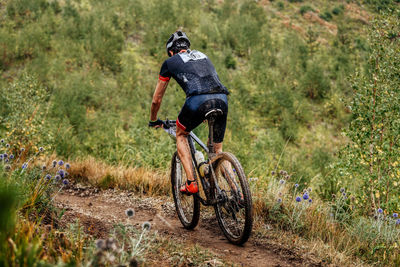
column 235, row 213
column 187, row 207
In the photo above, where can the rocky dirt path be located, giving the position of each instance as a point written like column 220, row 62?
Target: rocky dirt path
column 98, row 211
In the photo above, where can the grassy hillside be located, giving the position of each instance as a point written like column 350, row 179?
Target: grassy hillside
column 286, row 71
column 77, row 78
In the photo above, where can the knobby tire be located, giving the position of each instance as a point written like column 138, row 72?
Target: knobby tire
column 188, row 222
column 248, row 210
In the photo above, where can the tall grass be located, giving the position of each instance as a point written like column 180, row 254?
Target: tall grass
column 79, row 84
column 98, row 71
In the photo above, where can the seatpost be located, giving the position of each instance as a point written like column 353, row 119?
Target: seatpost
column 211, row 135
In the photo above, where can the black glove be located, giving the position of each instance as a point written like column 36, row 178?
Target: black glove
column 158, row 122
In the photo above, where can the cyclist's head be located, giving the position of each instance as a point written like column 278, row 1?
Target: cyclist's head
column 177, row 42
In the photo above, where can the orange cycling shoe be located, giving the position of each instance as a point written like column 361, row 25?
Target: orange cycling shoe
column 189, row 188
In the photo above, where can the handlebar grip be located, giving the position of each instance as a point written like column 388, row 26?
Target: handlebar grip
column 165, row 124
column 168, row 123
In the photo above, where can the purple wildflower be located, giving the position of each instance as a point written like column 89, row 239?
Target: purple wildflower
column 67, row 166
column 48, row 176
column 54, row 163
column 65, row 181
column 279, row 200
column 41, row 149
column 310, row 200
column 7, row 145
column 2, row 140
column 380, row 210
column 305, row 196
column 6, row 160
column 22, row 150
column 61, row 163
column 11, row 156
column 61, row 173
column 5, row 155
column 395, row 215
column 1, row 156
column 298, row 199
column 273, row 173
column 282, row 181
column 342, row 190
column 44, row 167
column 398, row 221
column 57, row 177
column 344, row 194
column 25, row 165
column 296, row 185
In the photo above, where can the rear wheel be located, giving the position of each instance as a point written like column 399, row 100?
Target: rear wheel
column 235, row 216
column 187, row 207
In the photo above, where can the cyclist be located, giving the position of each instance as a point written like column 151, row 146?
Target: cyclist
column 198, row 78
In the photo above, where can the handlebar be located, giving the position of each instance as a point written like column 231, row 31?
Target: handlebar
column 168, row 124
column 168, row 127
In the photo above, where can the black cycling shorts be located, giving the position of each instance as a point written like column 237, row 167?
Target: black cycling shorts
column 196, row 107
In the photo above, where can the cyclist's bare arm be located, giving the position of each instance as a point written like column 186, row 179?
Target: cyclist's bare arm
column 157, row 98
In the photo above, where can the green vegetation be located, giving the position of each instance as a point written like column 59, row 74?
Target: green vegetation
column 306, row 8
column 98, row 72
column 78, row 76
column 372, row 158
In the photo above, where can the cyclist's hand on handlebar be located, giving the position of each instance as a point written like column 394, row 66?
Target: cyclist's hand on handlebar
column 156, row 124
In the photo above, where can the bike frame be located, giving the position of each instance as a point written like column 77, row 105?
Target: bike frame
column 208, row 186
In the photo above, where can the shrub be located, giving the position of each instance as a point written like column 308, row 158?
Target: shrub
column 338, row 10
column 230, row 62
column 306, row 8
column 383, row 5
column 315, row 84
column 24, row 104
column 326, row 15
column 372, row 157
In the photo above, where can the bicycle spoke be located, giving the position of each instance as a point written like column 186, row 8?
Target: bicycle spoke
column 188, row 208
column 232, row 214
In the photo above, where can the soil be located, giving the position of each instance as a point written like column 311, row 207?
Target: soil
column 99, row 210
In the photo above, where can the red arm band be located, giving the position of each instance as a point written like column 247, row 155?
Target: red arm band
column 165, row 79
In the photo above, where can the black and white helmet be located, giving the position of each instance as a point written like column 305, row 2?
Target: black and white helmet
column 175, row 42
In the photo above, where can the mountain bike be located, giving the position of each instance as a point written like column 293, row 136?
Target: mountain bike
column 223, row 185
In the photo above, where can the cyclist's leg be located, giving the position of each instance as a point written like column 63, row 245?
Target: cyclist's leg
column 219, row 133
column 188, row 119
column 218, row 147
column 182, row 146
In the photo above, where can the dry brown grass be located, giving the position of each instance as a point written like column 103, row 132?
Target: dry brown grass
column 326, row 238
column 138, row 179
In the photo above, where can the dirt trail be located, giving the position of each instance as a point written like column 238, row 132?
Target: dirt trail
column 99, row 210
